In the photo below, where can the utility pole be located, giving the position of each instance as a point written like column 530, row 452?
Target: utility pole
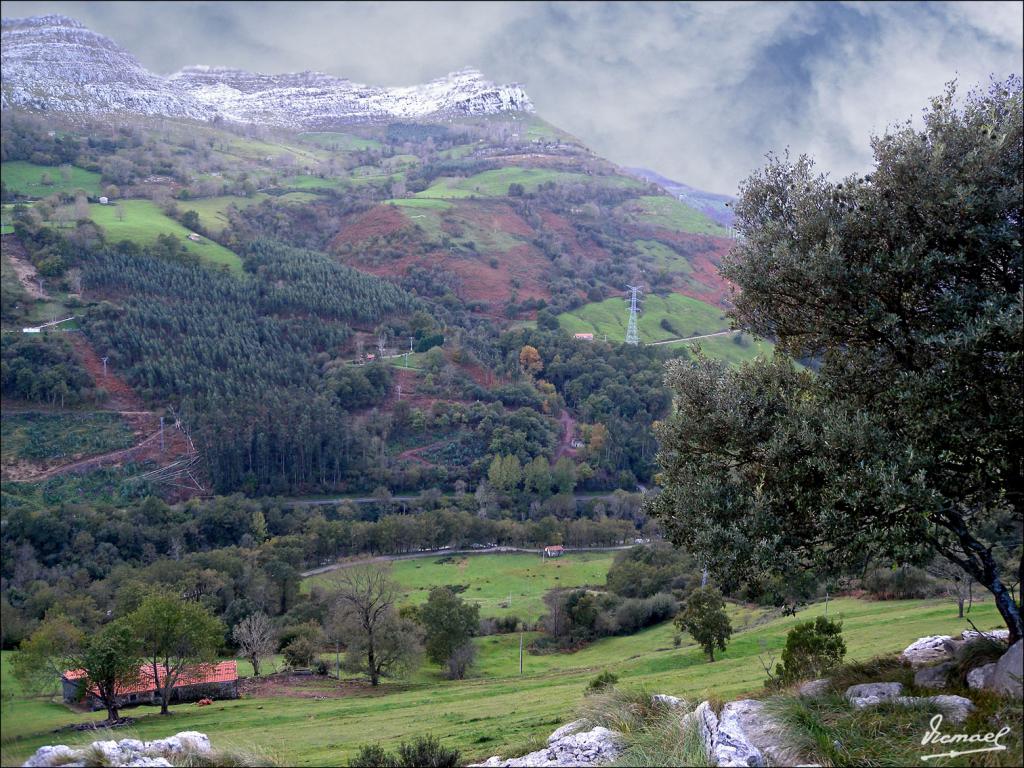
column 632, row 335
column 408, row 353
column 520, row 650
column 105, row 367
column 398, row 388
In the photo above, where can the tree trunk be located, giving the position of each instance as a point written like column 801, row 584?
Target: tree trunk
column 711, row 654
column 112, row 713
column 960, row 606
column 255, row 666
column 372, row 663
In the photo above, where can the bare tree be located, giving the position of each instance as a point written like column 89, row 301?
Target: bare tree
column 256, row 638
column 958, row 584
column 379, row 642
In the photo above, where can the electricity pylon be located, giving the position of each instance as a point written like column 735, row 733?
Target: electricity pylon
column 632, row 335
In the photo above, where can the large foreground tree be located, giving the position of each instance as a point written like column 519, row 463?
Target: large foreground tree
column 905, row 288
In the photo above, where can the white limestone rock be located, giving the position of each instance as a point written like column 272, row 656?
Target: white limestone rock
column 996, row 634
column 935, row 676
column 955, row 708
column 598, row 746
column 706, row 720
column 1006, row 677
column 980, row 677
column 929, row 650
column 186, row 741
column 814, row 688
column 732, row 745
column 567, row 730
column 129, row 753
column 669, row 701
column 55, row 755
column 870, row 694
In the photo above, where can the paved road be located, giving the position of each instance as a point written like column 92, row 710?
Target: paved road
column 436, row 552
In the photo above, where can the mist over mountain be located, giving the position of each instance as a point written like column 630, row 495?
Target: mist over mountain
column 56, row 64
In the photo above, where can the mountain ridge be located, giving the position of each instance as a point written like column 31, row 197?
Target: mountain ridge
column 93, row 75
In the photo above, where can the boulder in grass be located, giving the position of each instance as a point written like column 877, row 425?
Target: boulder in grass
column 814, row 688
column 870, row 694
column 930, row 650
column 979, row 677
column 669, row 701
column 126, row 753
column 935, row 676
column 1006, row 677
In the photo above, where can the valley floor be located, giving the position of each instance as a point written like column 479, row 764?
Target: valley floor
column 496, row 711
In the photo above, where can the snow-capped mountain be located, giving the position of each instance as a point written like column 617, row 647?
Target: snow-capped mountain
column 56, row 64
column 315, row 98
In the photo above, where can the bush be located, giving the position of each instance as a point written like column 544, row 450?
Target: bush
column 423, row 752
column 373, row 756
column 602, row 681
column 427, row 751
column 812, row 648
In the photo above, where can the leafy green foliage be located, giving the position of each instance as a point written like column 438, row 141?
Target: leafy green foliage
column 812, row 649
column 907, row 288
column 43, row 369
column 421, row 752
column 602, row 681
column 449, row 622
column 704, row 617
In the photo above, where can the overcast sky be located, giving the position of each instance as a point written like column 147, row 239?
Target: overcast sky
column 696, row 91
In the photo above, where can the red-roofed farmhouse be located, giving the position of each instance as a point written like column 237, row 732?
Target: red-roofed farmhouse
column 213, row 681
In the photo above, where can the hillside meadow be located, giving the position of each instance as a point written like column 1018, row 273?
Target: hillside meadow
column 496, row 711
column 491, row 580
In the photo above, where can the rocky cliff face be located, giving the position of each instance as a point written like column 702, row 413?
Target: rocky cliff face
column 55, row 64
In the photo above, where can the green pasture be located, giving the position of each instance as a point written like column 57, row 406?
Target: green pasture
column 670, row 213
column 338, row 142
column 36, row 436
column 420, row 202
column 495, row 183
column 26, row 179
column 689, row 317
column 661, row 257
column 143, row 222
column 213, row 210
column 496, row 711
column 491, row 579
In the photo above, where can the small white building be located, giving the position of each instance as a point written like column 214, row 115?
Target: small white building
column 194, row 237
column 583, row 336
column 104, row 201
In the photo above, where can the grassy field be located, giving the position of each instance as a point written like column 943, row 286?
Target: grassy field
column 495, row 183
column 492, row 578
column 213, row 210
column 661, row 257
column 338, row 142
column 685, row 316
column 144, row 222
column 664, row 211
column 25, row 178
column 35, row 435
column 688, row 317
column 496, row 711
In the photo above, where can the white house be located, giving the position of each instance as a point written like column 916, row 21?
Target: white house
column 104, row 201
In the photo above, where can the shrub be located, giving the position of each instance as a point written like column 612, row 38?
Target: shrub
column 705, row 619
column 373, row 756
column 812, row 648
column 423, row 752
column 900, row 583
column 427, row 751
column 602, row 681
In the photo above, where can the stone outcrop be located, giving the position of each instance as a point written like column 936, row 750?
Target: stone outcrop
column 743, row 735
column 813, row 688
column 871, row 694
column 130, row 753
column 955, row 708
column 980, row 677
column 995, row 634
column 568, row 746
column 935, row 676
column 931, row 650
column 669, row 701
column 1006, row 677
